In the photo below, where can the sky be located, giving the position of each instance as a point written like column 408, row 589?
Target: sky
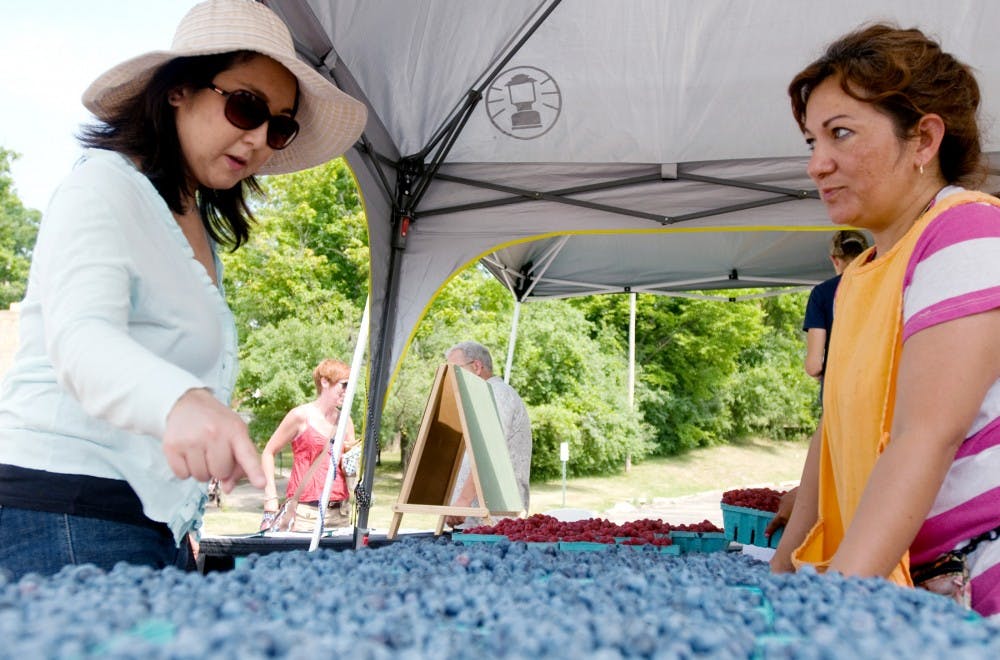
column 50, row 51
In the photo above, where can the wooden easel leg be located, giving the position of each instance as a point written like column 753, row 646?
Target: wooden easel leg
column 394, row 525
column 440, row 526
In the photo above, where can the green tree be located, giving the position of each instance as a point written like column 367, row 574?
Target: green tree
column 308, row 250
column 297, row 289
column 18, row 230
column 573, row 375
column 707, row 372
column 771, row 394
column 320, row 210
column 688, row 351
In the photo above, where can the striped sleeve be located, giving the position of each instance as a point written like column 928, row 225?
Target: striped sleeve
column 955, row 268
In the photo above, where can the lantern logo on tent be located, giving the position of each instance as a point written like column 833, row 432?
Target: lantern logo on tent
column 524, row 102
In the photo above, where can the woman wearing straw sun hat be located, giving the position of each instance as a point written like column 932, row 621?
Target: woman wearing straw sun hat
column 115, row 413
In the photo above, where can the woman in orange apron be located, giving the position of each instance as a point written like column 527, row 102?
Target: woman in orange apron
column 906, row 474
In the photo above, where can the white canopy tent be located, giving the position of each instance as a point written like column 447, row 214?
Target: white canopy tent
column 590, row 146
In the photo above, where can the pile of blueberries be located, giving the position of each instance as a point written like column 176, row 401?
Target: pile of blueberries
column 435, row 599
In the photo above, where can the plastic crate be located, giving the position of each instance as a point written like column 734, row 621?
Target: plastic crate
column 459, row 537
column 700, row 541
column 584, row 546
column 747, row 526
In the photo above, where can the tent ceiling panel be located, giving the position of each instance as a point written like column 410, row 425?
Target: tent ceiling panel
column 416, row 59
column 637, row 82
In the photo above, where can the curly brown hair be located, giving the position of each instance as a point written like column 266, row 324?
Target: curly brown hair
column 905, row 75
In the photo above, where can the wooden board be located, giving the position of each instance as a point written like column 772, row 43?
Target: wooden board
column 460, row 416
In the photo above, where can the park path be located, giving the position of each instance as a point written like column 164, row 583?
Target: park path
column 676, row 510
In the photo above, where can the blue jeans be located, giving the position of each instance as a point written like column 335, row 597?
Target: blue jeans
column 42, row 542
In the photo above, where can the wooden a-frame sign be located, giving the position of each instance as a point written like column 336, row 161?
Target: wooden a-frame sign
column 460, row 418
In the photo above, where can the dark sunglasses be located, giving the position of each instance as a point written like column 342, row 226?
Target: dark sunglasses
column 245, row 110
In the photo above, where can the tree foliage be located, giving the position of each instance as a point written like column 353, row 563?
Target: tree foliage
column 18, row 230
column 297, row 290
column 574, row 374
column 771, row 394
column 713, row 371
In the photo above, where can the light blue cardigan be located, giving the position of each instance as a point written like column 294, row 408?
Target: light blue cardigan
column 119, row 321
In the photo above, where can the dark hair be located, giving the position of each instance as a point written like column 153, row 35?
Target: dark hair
column 144, row 127
column 905, row 75
column 847, row 244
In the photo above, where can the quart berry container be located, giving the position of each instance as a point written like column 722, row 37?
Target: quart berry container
column 747, row 526
column 700, row 541
column 584, row 546
column 459, row 537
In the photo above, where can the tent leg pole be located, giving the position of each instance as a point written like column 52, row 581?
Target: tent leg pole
column 631, row 367
column 380, row 348
column 337, row 450
column 511, row 341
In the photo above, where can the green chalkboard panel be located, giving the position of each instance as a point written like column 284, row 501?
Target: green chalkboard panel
column 489, row 445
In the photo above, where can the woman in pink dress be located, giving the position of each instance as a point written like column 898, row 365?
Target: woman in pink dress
column 310, row 428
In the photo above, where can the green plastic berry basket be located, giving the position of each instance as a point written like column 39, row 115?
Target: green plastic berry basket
column 459, row 537
column 700, row 541
column 584, row 546
column 747, row 526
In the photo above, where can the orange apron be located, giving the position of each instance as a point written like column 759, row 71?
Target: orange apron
column 859, row 386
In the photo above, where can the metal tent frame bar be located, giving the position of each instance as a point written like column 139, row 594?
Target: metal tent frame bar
column 563, row 196
column 682, row 294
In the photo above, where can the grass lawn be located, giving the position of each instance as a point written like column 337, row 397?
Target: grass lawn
column 750, row 462
column 747, row 463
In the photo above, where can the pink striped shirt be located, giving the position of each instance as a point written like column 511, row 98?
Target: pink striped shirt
column 954, row 271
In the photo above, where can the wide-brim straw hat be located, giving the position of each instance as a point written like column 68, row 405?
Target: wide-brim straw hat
column 330, row 121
